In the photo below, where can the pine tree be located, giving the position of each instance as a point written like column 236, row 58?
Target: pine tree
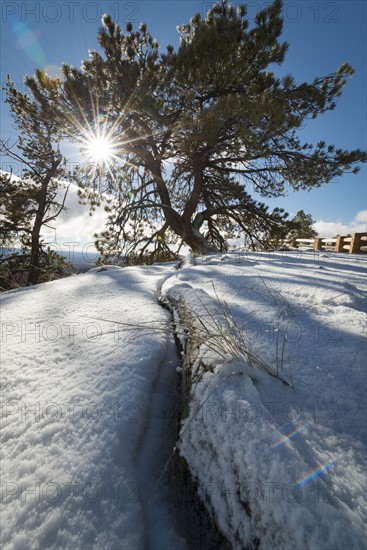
column 195, row 131
column 31, row 202
column 302, row 226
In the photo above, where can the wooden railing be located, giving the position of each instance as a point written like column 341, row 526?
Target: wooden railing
column 354, row 244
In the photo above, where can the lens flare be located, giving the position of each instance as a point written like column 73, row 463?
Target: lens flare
column 288, row 437
column 27, row 41
column 101, row 118
column 316, row 472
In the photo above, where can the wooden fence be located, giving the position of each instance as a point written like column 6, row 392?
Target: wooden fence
column 354, row 244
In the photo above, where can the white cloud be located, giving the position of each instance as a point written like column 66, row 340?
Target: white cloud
column 76, row 225
column 330, row 229
column 362, row 216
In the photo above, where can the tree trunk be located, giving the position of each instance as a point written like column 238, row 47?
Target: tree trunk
column 34, row 270
column 181, row 224
column 196, row 241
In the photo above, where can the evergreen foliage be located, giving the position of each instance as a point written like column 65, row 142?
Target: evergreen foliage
column 195, row 130
column 31, row 202
column 302, row 227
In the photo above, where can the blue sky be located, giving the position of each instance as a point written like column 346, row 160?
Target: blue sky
column 321, row 34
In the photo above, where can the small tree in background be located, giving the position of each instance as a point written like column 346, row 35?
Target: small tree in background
column 302, row 227
column 32, row 202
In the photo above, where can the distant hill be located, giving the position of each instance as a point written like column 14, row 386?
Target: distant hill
column 82, row 261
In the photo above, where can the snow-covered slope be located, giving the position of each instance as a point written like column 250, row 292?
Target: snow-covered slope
column 281, row 465
column 81, row 415
column 89, row 385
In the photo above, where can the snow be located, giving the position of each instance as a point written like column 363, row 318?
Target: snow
column 280, row 465
column 78, row 392
column 275, row 431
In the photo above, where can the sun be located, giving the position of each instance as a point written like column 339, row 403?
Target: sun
column 100, row 149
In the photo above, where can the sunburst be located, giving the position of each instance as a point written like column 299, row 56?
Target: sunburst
column 102, row 142
column 100, row 149
column 100, row 145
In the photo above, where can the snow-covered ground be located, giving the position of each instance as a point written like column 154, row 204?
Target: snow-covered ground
column 282, row 465
column 89, row 387
column 82, row 423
